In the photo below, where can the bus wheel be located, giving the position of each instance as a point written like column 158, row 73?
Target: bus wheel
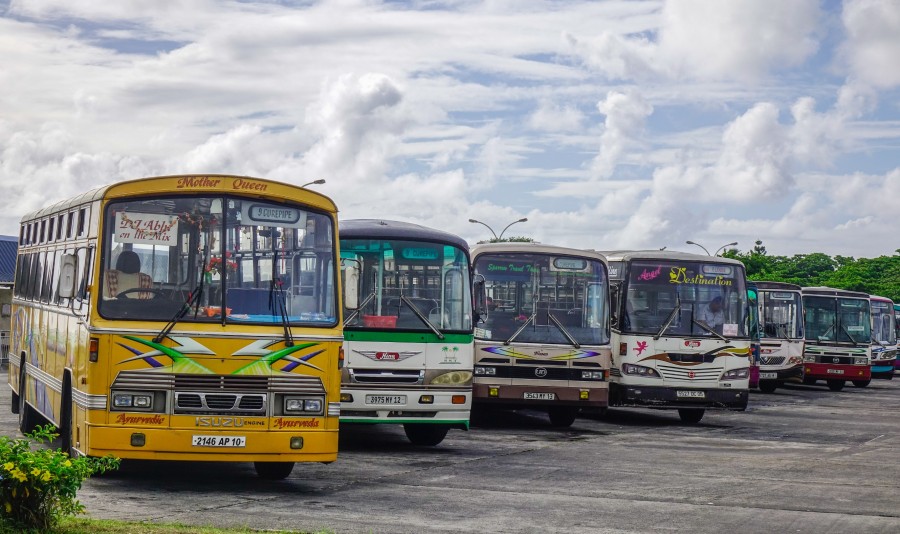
column 768, row 387
column 835, row 385
column 862, row 383
column 27, row 416
column 562, row 416
column 809, row 381
column 691, row 416
column 65, row 416
column 425, row 435
column 273, row 470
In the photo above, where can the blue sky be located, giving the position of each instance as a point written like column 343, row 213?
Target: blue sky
column 607, row 124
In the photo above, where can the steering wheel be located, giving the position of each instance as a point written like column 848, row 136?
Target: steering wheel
column 157, row 294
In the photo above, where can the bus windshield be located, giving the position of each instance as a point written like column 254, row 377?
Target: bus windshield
column 830, row 319
column 780, row 314
column 410, row 285
column 883, row 330
column 544, row 298
column 217, row 259
column 685, row 299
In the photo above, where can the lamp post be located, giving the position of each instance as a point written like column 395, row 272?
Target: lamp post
column 707, row 252
column 320, row 181
column 523, row 219
column 723, row 246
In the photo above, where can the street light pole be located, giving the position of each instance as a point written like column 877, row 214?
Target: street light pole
column 320, row 181
column 723, row 246
column 699, row 245
column 523, row 219
column 485, row 225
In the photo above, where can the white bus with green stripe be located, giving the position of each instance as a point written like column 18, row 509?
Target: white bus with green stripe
column 408, row 346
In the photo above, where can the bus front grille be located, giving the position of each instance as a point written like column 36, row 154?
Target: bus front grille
column 216, row 403
column 772, row 360
column 690, row 374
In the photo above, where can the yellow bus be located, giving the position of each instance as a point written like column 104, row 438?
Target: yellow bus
column 182, row 318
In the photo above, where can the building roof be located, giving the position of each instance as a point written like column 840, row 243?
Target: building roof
column 8, row 247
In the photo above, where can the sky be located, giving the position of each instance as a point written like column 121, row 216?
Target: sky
column 608, row 124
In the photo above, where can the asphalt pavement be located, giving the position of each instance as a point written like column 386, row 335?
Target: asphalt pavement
column 803, row 459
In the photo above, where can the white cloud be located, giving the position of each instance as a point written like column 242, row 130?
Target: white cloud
column 872, row 46
column 553, row 117
column 626, row 113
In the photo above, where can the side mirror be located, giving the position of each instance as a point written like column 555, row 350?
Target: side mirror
column 67, row 270
column 481, row 308
column 351, row 283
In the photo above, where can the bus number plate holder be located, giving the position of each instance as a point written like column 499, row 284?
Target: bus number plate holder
column 219, row 441
column 540, row 396
column 768, row 375
column 835, row 371
column 689, row 394
column 385, row 399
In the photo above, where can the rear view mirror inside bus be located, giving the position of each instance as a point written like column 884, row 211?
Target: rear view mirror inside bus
column 351, row 283
column 67, row 270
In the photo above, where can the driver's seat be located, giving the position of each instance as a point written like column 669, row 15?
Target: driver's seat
column 127, row 275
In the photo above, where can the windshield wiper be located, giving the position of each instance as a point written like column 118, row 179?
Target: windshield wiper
column 562, row 329
column 855, row 344
column 192, row 301
column 708, row 329
column 669, row 319
column 277, row 296
column 422, row 317
column 521, row 328
column 357, row 311
column 784, row 334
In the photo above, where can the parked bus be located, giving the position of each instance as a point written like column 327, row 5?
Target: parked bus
column 182, row 318
column 409, row 345
column 897, row 330
column 781, row 332
column 542, row 341
column 680, row 332
column 837, row 327
column 753, row 328
column 884, row 337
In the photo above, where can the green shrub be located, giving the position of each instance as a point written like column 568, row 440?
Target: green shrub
column 38, row 486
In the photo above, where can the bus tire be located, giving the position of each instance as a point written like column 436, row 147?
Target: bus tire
column 562, row 416
column 768, row 387
column 809, row 381
column 65, row 416
column 691, row 416
column 28, row 419
column 862, row 383
column 835, row 385
column 273, row 470
column 425, row 435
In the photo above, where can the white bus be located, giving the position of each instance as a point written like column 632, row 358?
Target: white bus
column 781, row 333
column 884, row 337
column 408, row 346
column 543, row 340
column 837, row 326
column 680, row 332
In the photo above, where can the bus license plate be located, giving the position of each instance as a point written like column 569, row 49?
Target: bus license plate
column 835, row 371
column 219, row 441
column 385, row 399
column 690, row 394
column 540, row 396
column 768, row 375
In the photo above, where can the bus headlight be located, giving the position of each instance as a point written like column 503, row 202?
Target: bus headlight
column 736, row 374
column 453, row 378
column 302, row 405
column 861, row 360
column 639, row 370
column 132, row 401
column 485, row 371
column 592, row 375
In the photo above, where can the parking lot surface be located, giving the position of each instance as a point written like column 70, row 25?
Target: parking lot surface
column 803, row 459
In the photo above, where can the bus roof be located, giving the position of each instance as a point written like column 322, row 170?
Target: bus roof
column 880, row 298
column 832, row 292
column 385, row 229
column 168, row 184
column 628, row 255
column 534, row 248
column 780, row 286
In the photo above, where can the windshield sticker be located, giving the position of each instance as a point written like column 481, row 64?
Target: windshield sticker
column 730, row 329
column 650, row 275
column 147, row 228
column 679, row 275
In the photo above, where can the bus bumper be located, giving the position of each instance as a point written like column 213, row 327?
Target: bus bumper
column 668, row 397
column 780, row 375
column 447, row 406
column 524, row 396
column 827, row 371
column 883, row 369
column 176, row 444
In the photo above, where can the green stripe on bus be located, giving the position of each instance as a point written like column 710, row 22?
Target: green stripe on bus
column 406, row 337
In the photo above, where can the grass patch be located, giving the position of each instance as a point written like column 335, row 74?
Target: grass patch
column 107, row 526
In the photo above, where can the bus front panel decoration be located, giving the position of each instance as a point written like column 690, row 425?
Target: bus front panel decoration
column 837, row 327
column 543, row 339
column 781, row 332
column 884, row 337
column 681, row 335
column 408, row 346
column 184, row 320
